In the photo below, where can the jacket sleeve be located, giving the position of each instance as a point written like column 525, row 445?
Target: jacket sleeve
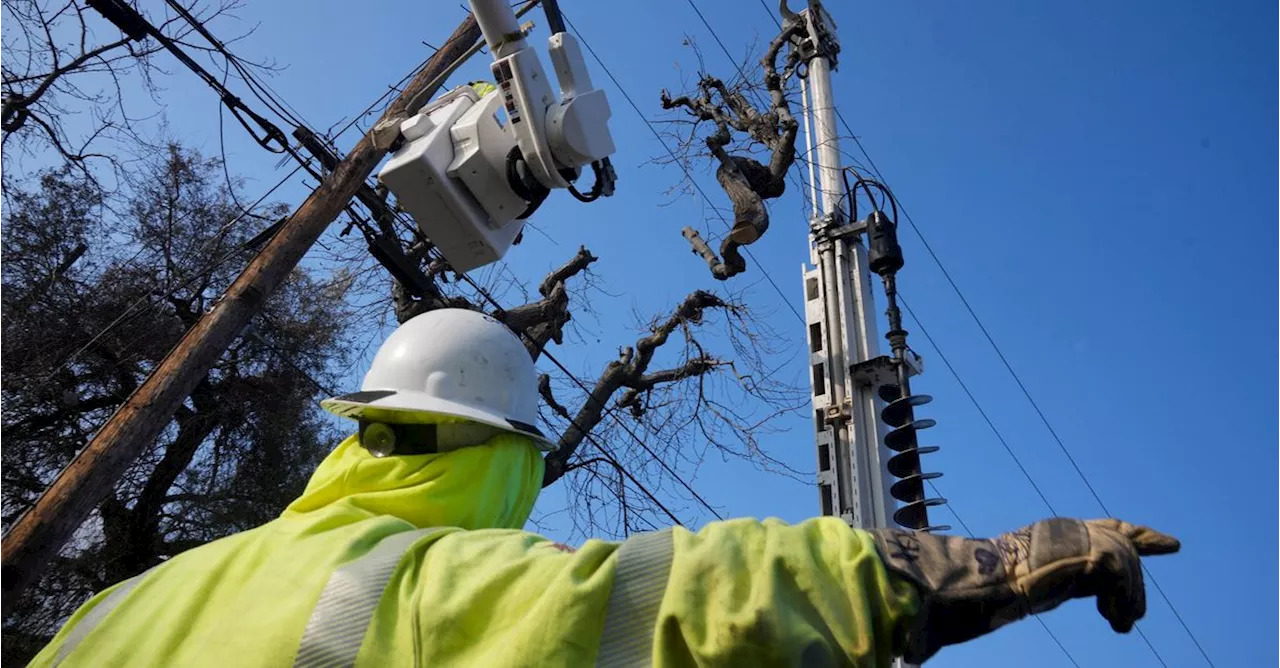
column 747, row 592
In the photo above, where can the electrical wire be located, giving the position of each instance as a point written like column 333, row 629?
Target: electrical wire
column 137, row 27
column 1025, row 392
column 1000, row 437
column 392, row 89
column 770, row 11
column 795, row 180
column 259, row 89
column 974, row 400
column 222, row 150
column 201, row 274
column 289, row 361
column 619, row 467
column 851, row 194
column 696, row 185
column 608, row 410
column 1009, row 367
column 965, row 525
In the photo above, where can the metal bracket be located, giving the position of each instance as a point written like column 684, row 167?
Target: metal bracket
column 846, row 231
column 822, row 39
column 822, row 225
column 882, row 370
column 875, row 372
column 831, row 227
column 915, row 363
column 827, row 220
column 839, row 414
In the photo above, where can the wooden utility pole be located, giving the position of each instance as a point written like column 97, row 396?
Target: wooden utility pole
column 38, row 535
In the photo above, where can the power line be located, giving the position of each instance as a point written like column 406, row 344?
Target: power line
column 389, row 91
column 1025, row 392
column 1017, row 379
column 771, row 12
column 1000, row 437
column 608, row 410
column 972, row 399
column 677, row 161
column 795, row 180
column 1016, row 460
column 222, row 149
column 956, row 514
column 1010, row 451
column 129, row 311
column 623, row 470
column 963, row 386
column 259, row 89
column 611, row 413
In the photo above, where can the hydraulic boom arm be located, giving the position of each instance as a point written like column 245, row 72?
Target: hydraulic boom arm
column 470, row 179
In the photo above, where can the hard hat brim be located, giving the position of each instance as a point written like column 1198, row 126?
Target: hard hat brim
column 386, row 403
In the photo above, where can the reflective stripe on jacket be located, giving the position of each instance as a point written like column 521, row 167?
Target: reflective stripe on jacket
column 341, row 580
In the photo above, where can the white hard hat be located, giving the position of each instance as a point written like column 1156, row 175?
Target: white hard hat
column 450, row 362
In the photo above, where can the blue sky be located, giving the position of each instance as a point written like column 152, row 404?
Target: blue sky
column 1095, row 176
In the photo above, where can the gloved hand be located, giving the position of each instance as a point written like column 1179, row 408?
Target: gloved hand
column 971, row 587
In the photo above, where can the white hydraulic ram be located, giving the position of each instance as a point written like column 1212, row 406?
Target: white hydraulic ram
column 469, row 178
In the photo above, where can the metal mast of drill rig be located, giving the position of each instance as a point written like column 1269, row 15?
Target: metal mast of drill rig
column 868, row 454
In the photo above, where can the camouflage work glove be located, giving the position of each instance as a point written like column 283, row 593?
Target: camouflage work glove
column 971, row 587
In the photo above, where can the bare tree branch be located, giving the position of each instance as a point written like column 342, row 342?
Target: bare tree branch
column 540, row 322
column 544, row 320
column 627, row 371
column 746, row 180
column 54, row 70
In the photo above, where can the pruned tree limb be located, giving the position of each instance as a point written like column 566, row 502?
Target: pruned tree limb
column 746, row 180
column 732, row 263
column 544, row 390
column 693, row 367
column 539, row 321
column 629, row 371
column 407, row 305
column 543, row 321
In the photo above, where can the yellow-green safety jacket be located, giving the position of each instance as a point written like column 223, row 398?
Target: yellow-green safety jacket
column 419, row 561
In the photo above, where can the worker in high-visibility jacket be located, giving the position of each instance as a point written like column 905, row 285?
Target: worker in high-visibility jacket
column 406, row 549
